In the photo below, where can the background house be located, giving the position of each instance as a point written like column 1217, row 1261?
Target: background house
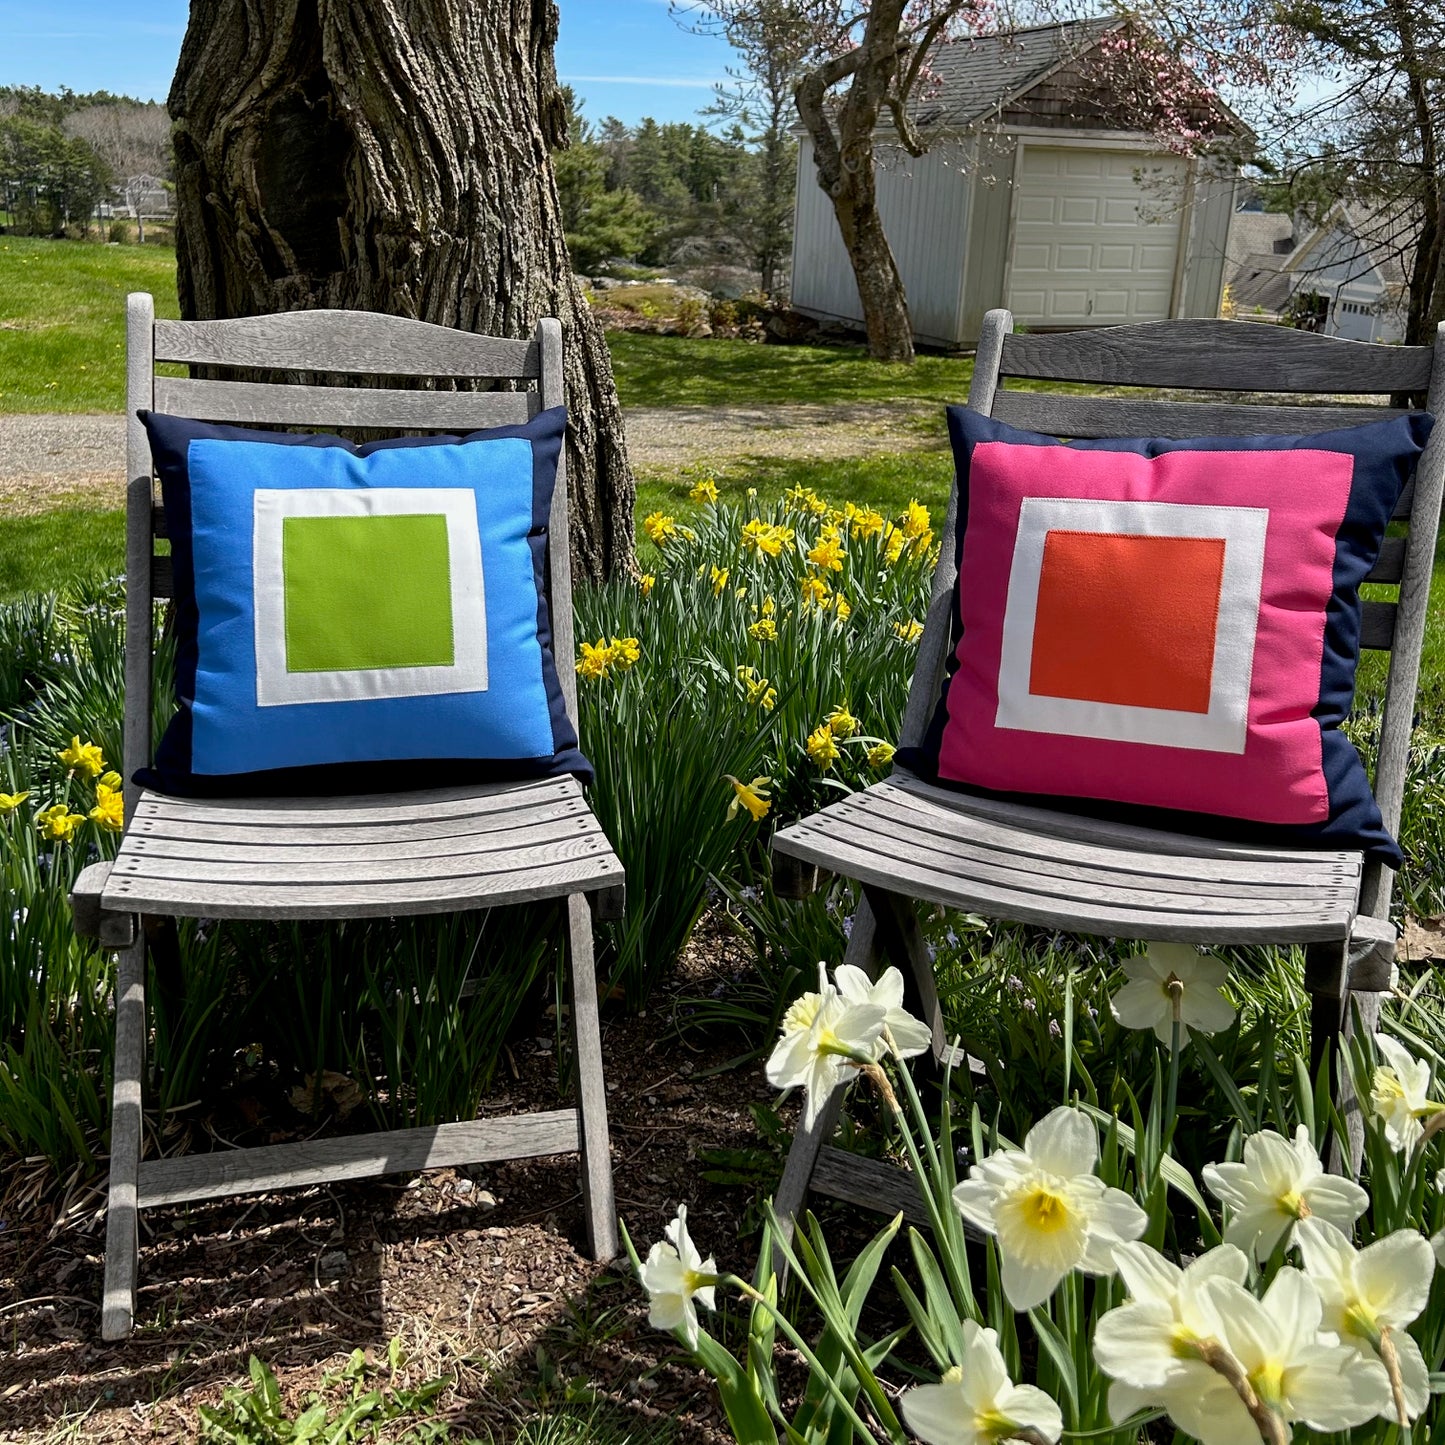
column 1032, row 196
column 1343, row 277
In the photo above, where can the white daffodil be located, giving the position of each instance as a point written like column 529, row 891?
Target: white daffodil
column 1170, row 975
column 1047, row 1208
column 1278, row 1182
column 1147, row 1345
column 1399, row 1092
column 908, row 1036
column 824, row 1036
column 1294, row 1368
column 677, row 1279
column 976, row 1403
column 1370, row 1296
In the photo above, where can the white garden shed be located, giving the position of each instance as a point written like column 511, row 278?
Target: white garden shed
column 1029, row 197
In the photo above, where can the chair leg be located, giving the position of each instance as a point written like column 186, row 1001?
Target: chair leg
column 901, row 937
column 807, row 1144
column 122, row 1223
column 596, row 1161
column 1337, row 1015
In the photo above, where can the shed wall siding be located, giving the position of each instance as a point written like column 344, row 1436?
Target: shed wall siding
column 1214, row 189
column 924, row 203
column 988, row 242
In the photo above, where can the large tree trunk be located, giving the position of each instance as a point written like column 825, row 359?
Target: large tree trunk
column 844, row 157
column 394, row 158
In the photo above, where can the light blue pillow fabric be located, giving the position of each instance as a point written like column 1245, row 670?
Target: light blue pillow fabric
column 359, row 617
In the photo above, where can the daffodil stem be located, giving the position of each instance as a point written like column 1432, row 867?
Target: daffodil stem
column 1171, row 1091
column 1271, row 1427
column 1390, row 1358
column 824, row 1375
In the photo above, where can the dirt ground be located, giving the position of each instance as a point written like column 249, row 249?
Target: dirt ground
column 475, row 1271
column 79, row 461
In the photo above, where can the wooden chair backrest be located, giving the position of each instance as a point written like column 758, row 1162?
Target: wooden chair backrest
column 331, row 344
column 1225, row 356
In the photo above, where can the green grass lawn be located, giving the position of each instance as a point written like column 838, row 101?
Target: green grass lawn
column 673, row 371
column 62, row 344
column 62, row 320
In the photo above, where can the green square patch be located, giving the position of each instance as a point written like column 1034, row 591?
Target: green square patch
column 367, row 592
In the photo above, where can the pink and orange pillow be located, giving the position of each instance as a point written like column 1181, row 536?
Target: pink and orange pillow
column 1168, row 626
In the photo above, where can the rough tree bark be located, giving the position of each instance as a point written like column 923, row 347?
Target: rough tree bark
column 394, row 158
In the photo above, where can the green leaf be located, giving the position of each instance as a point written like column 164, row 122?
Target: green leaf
column 1056, row 1347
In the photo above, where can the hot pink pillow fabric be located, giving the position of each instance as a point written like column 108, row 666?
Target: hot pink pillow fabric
column 1166, row 631
column 1147, row 631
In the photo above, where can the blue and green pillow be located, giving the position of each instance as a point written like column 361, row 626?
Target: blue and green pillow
column 359, row 618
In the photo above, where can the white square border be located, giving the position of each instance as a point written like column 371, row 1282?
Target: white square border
column 275, row 686
column 1224, row 728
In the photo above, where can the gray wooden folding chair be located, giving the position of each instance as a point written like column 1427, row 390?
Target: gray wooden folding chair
column 904, row 839
column 438, row 851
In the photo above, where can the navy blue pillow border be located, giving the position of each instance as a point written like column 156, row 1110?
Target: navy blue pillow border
column 170, row 439
column 1385, row 455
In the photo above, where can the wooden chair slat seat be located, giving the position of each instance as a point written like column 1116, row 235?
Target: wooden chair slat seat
column 440, row 850
column 329, row 867
column 933, row 848
column 905, row 840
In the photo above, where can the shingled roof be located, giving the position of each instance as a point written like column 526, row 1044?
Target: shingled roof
column 978, row 75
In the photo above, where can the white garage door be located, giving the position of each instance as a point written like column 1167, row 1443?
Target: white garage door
column 1095, row 236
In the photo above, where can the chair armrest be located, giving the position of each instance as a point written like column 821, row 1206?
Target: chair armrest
column 91, row 918
column 1372, row 954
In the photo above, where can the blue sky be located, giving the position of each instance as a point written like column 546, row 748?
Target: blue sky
column 626, row 58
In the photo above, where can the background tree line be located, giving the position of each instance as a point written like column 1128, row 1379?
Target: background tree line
column 678, row 194
column 62, row 154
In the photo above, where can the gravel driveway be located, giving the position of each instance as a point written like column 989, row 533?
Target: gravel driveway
column 80, row 459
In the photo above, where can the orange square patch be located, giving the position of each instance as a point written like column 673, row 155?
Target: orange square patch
column 1128, row 620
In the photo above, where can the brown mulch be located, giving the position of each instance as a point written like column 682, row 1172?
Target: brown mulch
column 475, row 1271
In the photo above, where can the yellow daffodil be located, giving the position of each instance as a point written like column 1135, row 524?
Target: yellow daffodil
column 753, row 796
column 822, row 748
column 842, row 607
column 659, row 527
column 719, row 580
column 814, row 591
column 10, row 801
column 646, row 583
column 594, row 660
column 111, row 780
column 770, row 606
column 915, row 522
column 880, row 755
column 704, row 492
column 624, row 652
column 764, row 630
column 84, row 758
column 760, row 536
column 109, row 810
column 909, row 631
column 863, row 522
column 760, row 692
column 893, row 544
column 805, row 499
column 827, row 551
column 841, row 722
column 58, row 823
